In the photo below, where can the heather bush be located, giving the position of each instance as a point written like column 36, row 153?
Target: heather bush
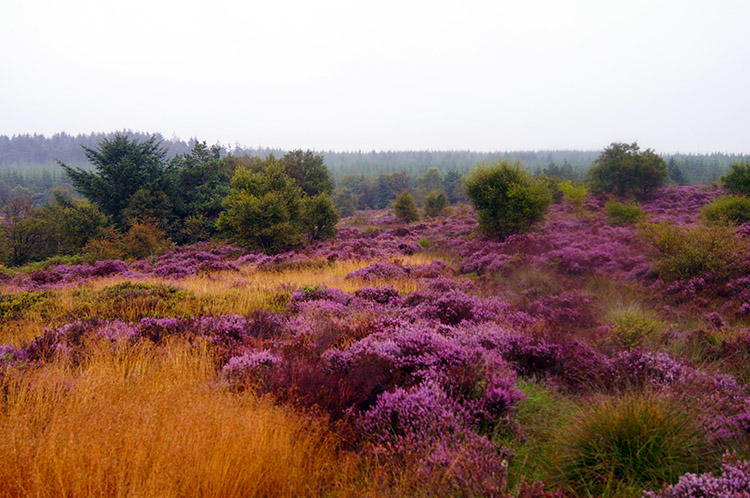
column 507, row 200
column 631, row 442
column 624, row 214
column 732, row 482
column 683, row 253
column 738, row 179
column 727, row 210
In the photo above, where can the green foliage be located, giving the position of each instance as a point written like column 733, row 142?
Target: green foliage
column 727, row 210
column 266, row 210
column 345, row 201
column 121, row 168
column 738, row 179
column 574, row 194
column 16, row 305
column 624, row 214
column 683, row 253
column 430, row 181
column 130, row 301
column 506, row 198
column 308, row 170
column 621, row 445
column 434, row 203
column 319, row 217
column 622, row 169
column 145, row 238
column 633, row 326
column 38, row 233
column 153, row 205
column 405, row 208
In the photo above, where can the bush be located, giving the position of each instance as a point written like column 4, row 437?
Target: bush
column 320, row 217
column 434, row 203
column 738, row 178
column 506, row 198
column 632, row 326
column 405, row 207
column 630, row 443
column 685, row 253
column 727, row 210
column 574, row 194
column 622, row 169
column 624, row 214
column 145, row 238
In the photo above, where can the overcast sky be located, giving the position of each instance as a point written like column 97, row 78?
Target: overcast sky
column 384, row 75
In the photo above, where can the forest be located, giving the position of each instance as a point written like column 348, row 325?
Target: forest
column 202, row 322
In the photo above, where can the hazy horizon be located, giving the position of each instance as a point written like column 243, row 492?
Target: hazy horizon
column 337, row 76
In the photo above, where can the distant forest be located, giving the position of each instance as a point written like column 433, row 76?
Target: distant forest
column 30, row 161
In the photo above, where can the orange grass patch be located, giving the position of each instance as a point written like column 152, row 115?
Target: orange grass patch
column 152, row 422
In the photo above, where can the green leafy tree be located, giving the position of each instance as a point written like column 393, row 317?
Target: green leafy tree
column 320, row 217
column 622, row 169
column 263, row 210
column 506, row 198
column 405, row 207
column 202, row 179
column 344, row 201
column 308, row 170
column 738, row 179
column 121, row 168
column 453, row 186
column 434, row 203
column 430, row 181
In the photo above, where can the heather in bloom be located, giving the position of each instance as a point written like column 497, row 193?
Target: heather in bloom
column 732, row 482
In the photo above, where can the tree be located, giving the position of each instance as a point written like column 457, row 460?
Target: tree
column 430, row 181
column 738, row 179
column 506, row 198
column 320, row 217
column 405, row 207
column 308, row 170
column 434, row 203
column 622, row 169
column 202, row 179
column 121, row 168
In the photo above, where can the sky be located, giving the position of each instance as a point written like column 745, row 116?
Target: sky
column 384, row 75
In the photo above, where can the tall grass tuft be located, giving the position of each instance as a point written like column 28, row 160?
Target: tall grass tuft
column 151, row 422
column 618, row 446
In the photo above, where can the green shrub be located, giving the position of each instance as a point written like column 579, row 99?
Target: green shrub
column 319, row 217
column 632, row 326
column 683, row 253
column 738, row 178
column 575, row 195
column 624, row 444
column 434, row 203
column 727, row 210
column 405, row 207
column 622, row 169
column 17, row 305
column 507, row 200
column 624, row 214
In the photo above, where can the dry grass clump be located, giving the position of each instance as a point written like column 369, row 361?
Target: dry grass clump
column 152, row 422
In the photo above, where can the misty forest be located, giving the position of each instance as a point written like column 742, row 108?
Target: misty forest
column 183, row 319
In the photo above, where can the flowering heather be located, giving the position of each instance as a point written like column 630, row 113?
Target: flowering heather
column 381, row 270
column 421, row 426
column 733, row 482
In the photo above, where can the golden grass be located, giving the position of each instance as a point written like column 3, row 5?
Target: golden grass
column 231, row 292
column 151, row 422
